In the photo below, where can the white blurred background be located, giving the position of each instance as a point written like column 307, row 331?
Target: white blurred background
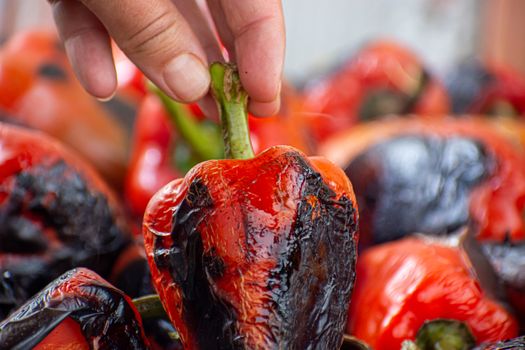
column 321, row 33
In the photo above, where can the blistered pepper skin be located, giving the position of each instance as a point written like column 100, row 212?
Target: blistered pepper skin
column 107, row 318
column 511, row 344
column 405, row 283
column 256, row 253
column 55, row 212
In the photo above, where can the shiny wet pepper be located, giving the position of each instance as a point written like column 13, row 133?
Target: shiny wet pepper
column 79, row 310
column 254, row 252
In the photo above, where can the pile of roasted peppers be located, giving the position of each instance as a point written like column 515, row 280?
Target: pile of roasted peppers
column 140, row 223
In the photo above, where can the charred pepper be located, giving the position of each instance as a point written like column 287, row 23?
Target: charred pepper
column 254, row 252
column 55, row 212
column 79, row 310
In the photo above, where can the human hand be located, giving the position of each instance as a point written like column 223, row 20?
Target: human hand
column 172, row 43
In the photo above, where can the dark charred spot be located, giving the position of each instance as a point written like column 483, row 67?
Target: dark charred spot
column 508, row 260
column 52, row 71
column 101, row 310
column 213, row 264
column 416, row 183
column 466, row 85
column 135, row 279
column 315, row 274
column 512, row 344
column 56, row 200
column 380, row 102
column 12, row 294
column 209, row 318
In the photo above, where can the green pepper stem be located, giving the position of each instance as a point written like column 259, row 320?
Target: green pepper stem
column 202, row 141
column 444, row 334
column 232, row 102
column 149, row 306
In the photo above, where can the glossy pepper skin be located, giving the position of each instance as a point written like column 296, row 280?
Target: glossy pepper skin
column 38, row 89
column 151, row 165
column 477, row 87
column 253, row 251
column 382, row 78
column 405, row 283
column 79, row 310
column 56, row 213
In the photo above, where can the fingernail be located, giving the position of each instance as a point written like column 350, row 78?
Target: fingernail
column 106, row 99
column 187, row 77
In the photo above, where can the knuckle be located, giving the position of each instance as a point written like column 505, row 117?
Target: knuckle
column 152, row 32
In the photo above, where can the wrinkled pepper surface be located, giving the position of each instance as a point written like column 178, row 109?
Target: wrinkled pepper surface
column 254, row 252
column 79, row 310
column 55, row 212
column 382, row 78
column 401, row 285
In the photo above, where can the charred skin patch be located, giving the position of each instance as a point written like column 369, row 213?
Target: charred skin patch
column 415, row 183
column 104, row 315
column 315, row 274
column 52, row 71
column 381, row 102
column 12, row 294
column 53, row 220
column 512, row 344
column 508, row 260
column 209, row 318
column 466, row 85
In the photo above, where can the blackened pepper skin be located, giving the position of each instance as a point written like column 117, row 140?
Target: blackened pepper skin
column 55, row 212
column 107, row 318
column 256, row 253
column 428, row 177
column 511, row 344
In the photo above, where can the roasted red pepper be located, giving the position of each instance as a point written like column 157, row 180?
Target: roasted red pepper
column 55, row 212
column 79, row 310
column 433, row 176
column 487, row 88
column 383, row 78
column 38, row 89
column 254, row 252
column 400, row 285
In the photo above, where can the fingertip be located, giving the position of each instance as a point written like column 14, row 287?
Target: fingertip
column 265, row 109
column 92, row 60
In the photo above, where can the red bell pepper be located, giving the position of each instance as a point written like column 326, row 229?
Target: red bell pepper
column 487, row 88
column 383, row 78
column 38, row 89
column 79, row 310
column 400, row 285
column 56, row 213
column 254, row 252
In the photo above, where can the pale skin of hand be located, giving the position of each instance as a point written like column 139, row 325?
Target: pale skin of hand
column 173, row 44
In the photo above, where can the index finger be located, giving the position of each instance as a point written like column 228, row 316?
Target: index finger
column 258, row 30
